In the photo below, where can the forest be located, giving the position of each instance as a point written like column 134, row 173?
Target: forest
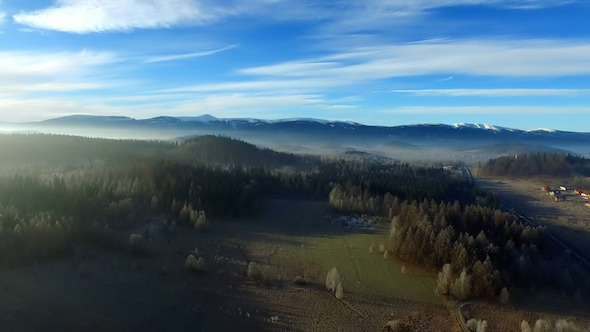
column 477, row 249
column 537, row 164
column 56, row 190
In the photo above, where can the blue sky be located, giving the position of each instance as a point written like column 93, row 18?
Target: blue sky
column 522, row 64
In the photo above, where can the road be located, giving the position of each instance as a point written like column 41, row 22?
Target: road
column 575, row 254
column 454, row 309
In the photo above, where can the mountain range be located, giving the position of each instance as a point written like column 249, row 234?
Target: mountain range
column 322, row 135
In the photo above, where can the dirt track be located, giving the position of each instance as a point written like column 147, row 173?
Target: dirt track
column 568, row 219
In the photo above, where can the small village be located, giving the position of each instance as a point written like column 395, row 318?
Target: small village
column 560, row 194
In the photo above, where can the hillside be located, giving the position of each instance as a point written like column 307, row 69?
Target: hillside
column 229, row 151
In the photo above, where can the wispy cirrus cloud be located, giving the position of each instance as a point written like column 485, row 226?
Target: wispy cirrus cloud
column 357, row 66
column 86, row 16
column 184, row 56
column 238, row 103
column 95, row 16
column 496, row 92
column 146, row 106
column 508, row 58
column 91, row 16
column 27, row 72
column 488, row 110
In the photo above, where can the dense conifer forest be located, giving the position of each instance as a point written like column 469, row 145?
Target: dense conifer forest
column 537, row 164
column 478, row 249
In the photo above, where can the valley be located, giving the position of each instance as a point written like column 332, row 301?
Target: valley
column 98, row 234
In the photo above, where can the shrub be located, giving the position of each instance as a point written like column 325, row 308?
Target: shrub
column 382, row 248
column 254, row 271
column 504, row 296
column 385, row 254
column 476, row 325
column 371, row 249
column 542, row 325
column 403, row 269
column 563, row 325
column 200, row 221
column 332, row 280
column 525, row 327
column 300, row 280
column 393, row 326
column 334, row 283
column 339, row 292
column 195, row 264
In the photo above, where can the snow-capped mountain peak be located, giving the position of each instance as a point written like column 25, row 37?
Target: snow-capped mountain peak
column 484, row 126
column 543, row 129
column 201, row 118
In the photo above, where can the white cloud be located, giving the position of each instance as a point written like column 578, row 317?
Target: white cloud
column 88, row 16
column 185, row 56
column 383, row 15
column 511, row 58
column 222, row 105
column 85, row 16
column 2, row 20
column 20, row 110
column 357, row 66
column 359, row 70
column 448, row 78
column 235, row 104
column 30, row 72
column 263, row 86
column 488, row 110
column 496, row 92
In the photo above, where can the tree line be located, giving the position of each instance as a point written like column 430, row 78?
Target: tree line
column 537, row 164
column 477, row 248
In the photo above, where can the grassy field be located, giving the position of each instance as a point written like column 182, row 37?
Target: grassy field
column 112, row 289
column 304, row 232
column 99, row 289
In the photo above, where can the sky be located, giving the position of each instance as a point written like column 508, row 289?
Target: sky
column 515, row 63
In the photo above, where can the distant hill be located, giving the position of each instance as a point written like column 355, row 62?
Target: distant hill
column 324, row 136
column 228, row 151
column 419, row 132
column 47, row 150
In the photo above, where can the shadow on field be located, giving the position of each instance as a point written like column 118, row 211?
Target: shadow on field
column 541, row 210
column 294, row 218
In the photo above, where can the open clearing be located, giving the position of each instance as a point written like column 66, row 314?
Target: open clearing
column 110, row 289
column 107, row 289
